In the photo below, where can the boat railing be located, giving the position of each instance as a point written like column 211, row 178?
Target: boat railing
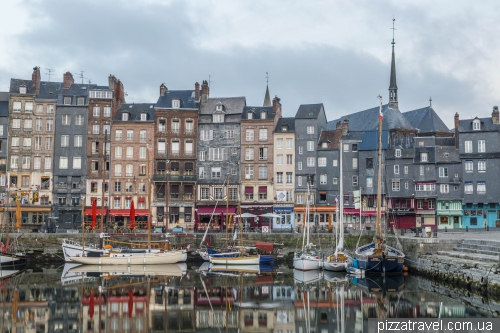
column 75, row 243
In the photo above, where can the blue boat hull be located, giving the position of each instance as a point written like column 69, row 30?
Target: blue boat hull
column 391, row 263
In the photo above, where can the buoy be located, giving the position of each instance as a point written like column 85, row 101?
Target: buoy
column 107, row 246
column 405, row 269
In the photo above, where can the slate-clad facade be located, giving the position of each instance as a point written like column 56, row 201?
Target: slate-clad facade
column 4, row 126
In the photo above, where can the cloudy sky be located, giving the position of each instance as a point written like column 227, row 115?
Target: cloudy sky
column 334, row 52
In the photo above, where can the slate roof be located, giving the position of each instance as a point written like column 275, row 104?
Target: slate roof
column 309, row 111
column 49, row 90
column 290, row 121
column 187, row 98
column 16, row 83
column 256, row 112
column 486, row 125
column 367, row 120
column 4, row 104
column 426, row 120
column 4, row 96
column 233, row 105
column 447, row 154
column 331, row 137
column 369, row 140
column 135, row 110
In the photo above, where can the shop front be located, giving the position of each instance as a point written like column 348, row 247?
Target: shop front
column 213, row 217
column 320, row 217
column 401, row 218
column 285, row 221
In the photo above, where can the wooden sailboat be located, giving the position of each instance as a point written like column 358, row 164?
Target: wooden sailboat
column 378, row 257
column 308, row 258
column 339, row 261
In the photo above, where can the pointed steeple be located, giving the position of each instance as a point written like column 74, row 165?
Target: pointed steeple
column 393, row 87
column 267, row 98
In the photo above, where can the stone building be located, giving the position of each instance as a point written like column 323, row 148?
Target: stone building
column 4, row 126
column 219, row 145
column 175, row 139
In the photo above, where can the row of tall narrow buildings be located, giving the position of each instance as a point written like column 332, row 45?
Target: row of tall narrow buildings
column 189, row 157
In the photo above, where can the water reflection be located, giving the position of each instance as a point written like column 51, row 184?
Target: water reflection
column 173, row 298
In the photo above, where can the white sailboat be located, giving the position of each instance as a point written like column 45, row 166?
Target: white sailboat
column 308, row 258
column 339, row 261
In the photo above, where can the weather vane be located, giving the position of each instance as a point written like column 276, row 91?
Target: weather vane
column 267, row 78
column 393, row 29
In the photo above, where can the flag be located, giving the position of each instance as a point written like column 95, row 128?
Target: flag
column 132, row 215
column 235, row 234
column 94, row 213
column 336, row 199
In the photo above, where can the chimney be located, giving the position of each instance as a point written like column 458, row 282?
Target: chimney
column 338, row 125
column 345, row 127
column 68, row 80
column 205, row 91
column 456, row 129
column 495, row 115
column 277, row 106
column 35, row 77
column 111, row 82
column 196, row 92
column 163, row 89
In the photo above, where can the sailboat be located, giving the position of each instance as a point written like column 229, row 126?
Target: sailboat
column 378, row 257
column 339, row 261
column 308, row 258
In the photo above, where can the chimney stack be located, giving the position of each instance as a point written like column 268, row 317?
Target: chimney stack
column 345, row 127
column 456, row 129
column 35, row 77
column 196, row 92
column 338, row 125
column 205, row 91
column 163, row 89
column 495, row 115
column 277, row 106
column 68, row 80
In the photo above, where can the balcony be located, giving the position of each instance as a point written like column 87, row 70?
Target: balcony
column 188, row 178
column 159, row 177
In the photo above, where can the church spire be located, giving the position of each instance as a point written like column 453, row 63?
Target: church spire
column 267, row 98
column 393, row 87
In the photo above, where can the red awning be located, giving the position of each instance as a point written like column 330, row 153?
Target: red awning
column 88, row 211
column 248, row 190
column 141, row 200
column 126, row 212
column 262, row 189
column 218, row 210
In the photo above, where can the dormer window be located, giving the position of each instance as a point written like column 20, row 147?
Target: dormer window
column 397, row 153
column 250, row 115
column 218, row 107
column 124, row 116
column 263, row 115
column 476, row 125
column 424, row 157
column 284, row 128
column 67, row 100
column 176, row 103
column 144, row 116
column 22, row 89
column 324, row 145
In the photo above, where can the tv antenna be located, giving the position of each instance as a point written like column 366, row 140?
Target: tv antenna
column 209, row 81
column 81, row 76
column 50, row 71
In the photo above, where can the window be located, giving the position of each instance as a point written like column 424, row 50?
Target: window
column 469, row 166
column 310, row 145
column 310, row 129
column 118, row 170
column 396, row 185
column 300, row 150
column 129, row 170
column 28, row 124
column 63, row 162
column 481, row 187
column 406, row 169
column 142, row 152
column 124, row 116
column 130, row 135
column 468, row 189
column 422, row 170
column 48, row 143
column 289, row 159
column 476, row 125
column 424, row 157
column 369, row 181
column 118, row 186
column 38, row 125
column 206, row 135
column 289, row 143
column 263, row 134
column 201, row 172
column 481, row 166
column 176, row 127
column 263, row 154
column 118, row 152
column 354, row 180
column 216, row 172
column 250, row 115
column 300, row 198
column 310, row 161
column 161, row 147
column 229, row 134
column 38, row 143
column 14, row 161
column 95, row 147
column 354, row 162
column 47, row 163
column 116, row 201
column 322, row 161
column 289, row 177
column 202, row 155
column 323, row 179
column 444, row 188
column 397, row 153
column 190, row 127
column 28, row 107
column 248, row 172
column 16, row 123
column 443, row 172
column 118, row 135
column 279, row 159
column 263, row 115
column 299, row 181
column 142, row 169
column 95, row 128
column 106, row 129
column 299, row 165
column 77, row 162
column 369, row 163
column 16, row 107
column 279, row 177
column 430, row 204
column 66, row 119
column 15, row 142
column 396, row 169
column 162, row 125
column 481, row 146
column 425, row 187
column 27, row 143
column 217, row 154
column 37, row 163
column 218, row 118
column 67, row 100
column 468, row 146
column 205, row 193
column 64, row 140
column 97, row 111
column 142, row 135
column 130, row 152
column 262, row 172
column 175, row 147
column 279, row 144
column 50, row 108
column 249, row 135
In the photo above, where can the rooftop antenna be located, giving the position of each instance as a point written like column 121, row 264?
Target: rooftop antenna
column 209, row 81
column 50, row 71
column 81, row 76
column 430, row 101
column 393, row 29
column 90, row 81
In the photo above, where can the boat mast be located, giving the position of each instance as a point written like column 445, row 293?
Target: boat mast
column 149, row 200
column 340, row 244
column 101, row 226
column 379, row 175
column 307, row 210
column 227, row 209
